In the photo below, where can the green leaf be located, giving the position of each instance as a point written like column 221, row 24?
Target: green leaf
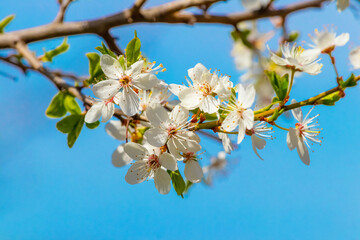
column 71, row 105
column 133, row 53
column 5, row 22
column 104, row 50
column 49, row 55
column 330, row 100
column 211, row 117
column 279, row 84
column 178, row 182
column 56, row 109
column 95, row 71
column 293, row 36
column 350, row 82
column 68, row 123
column 75, row 132
column 93, row 125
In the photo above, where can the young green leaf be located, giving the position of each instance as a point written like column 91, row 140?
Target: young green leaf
column 293, row 36
column 133, row 53
column 49, row 55
column 350, row 82
column 5, row 22
column 93, row 125
column 178, row 182
column 75, row 132
column 56, row 108
column 330, row 100
column 68, row 123
column 279, row 84
column 95, row 71
column 104, row 50
column 71, row 105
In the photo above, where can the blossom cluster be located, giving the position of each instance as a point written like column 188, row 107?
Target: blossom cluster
column 159, row 135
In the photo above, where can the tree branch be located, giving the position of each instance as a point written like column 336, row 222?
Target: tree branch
column 63, row 6
column 165, row 13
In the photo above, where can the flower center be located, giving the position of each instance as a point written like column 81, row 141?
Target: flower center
column 172, row 130
column 153, row 162
column 299, row 127
column 125, row 80
column 110, row 100
column 205, row 89
column 188, row 156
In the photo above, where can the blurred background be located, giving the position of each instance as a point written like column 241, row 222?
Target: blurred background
column 48, row 191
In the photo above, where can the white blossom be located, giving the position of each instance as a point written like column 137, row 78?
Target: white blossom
column 325, row 41
column 201, row 92
column 355, row 57
column 305, row 130
column 243, row 56
column 259, row 133
column 149, row 165
column 240, row 115
column 297, row 58
column 125, row 83
column 217, row 165
column 171, row 129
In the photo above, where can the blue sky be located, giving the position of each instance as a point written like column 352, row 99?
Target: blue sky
column 48, row 191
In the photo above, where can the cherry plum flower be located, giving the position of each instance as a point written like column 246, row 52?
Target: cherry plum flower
column 148, row 164
column 326, row 41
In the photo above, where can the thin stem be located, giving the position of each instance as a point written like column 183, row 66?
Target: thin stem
column 335, row 68
column 286, row 129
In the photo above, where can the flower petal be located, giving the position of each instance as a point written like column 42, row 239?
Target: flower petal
column 190, row 98
column 248, row 117
column 145, row 81
column 176, row 89
column 193, row 171
column 196, row 72
column 135, row 151
column 120, row 158
column 241, row 134
column 107, row 111
column 179, row 115
column 137, row 173
column 111, row 66
column 249, row 97
column 157, row 115
column 209, row 104
column 297, row 112
column 94, row 113
column 156, row 136
column 257, row 143
column 342, row 39
column 303, row 152
column 106, row 89
column 116, row 130
column 128, row 101
column 162, row 181
column 168, row 161
column 231, row 121
column 135, row 68
column 291, row 139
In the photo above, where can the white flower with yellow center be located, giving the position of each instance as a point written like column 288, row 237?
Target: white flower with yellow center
column 149, row 164
column 298, row 59
column 123, row 84
column 305, row 130
column 240, row 115
column 171, row 129
column 203, row 89
column 326, row 41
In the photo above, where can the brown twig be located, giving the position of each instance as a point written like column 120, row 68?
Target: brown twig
column 61, row 14
column 165, row 13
